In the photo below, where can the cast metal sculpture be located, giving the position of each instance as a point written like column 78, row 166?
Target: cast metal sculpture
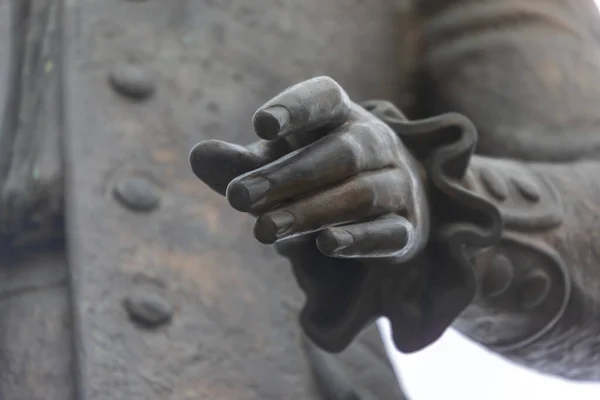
column 31, row 166
column 400, row 220
column 135, row 306
column 122, row 277
column 336, row 171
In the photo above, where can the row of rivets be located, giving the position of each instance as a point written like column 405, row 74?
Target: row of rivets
column 132, row 81
column 146, row 307
column 138, row 193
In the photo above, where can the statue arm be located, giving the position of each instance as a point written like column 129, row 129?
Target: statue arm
column 527, row 231
column 538, row 301
column 524, row 72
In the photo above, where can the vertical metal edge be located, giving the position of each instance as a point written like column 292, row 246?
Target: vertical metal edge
column 69, row 22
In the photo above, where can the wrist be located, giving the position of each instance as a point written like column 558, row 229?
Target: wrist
column 462, row 222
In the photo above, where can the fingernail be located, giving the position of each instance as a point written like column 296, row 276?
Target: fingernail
column 244, row 194
column 268, row 123
column 256, row 188
column 342, row 238
column 333, row 240
column 271, row 227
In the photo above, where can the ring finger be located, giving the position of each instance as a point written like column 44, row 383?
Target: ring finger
column 366, row 195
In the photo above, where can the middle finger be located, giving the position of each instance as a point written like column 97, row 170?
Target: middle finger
column 351, row 149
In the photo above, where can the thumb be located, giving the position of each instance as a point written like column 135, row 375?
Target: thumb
column 216, row 163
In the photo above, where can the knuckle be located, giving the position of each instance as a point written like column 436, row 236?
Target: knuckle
column 374, row 141
column 354, row 150
column 327, row 84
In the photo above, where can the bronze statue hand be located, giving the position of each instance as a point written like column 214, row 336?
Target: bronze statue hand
column 326, row 165
column 343, row 199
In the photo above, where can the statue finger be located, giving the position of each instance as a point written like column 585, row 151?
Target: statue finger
column 386, row 236
column 299, row 110
column 366, row 195
column 217, row 163
column 316, row 103
column 352, row 149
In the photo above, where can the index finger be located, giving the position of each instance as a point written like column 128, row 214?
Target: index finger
column 316, row 103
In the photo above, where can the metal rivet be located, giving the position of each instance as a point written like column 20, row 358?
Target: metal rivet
column 533, row 289
column 148, row 308
column 527, row 188
column 137, row 193
column 494, row 184
column 497, row 277
column 132, row 81
column 213, row 107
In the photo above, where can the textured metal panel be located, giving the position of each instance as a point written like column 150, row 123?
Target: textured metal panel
column 35, row 330
column 233, row 330
column 35, row 324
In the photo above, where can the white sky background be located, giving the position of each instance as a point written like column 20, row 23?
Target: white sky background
column 456, row 368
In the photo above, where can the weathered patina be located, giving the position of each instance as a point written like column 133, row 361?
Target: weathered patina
column 150, row 295
column 123, row 277
column 384, row 216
